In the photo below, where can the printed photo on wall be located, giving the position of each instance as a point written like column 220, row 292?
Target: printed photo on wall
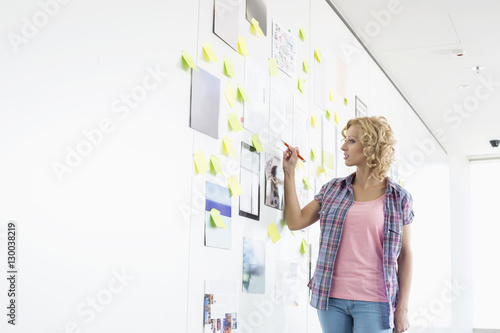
column 254, row 266
column 250, row 182
column 218, row 197
column 274, row 182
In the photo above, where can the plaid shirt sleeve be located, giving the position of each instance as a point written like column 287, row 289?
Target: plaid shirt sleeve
column 407, row 209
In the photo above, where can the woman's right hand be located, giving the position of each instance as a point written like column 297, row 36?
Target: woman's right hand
column 290, row 159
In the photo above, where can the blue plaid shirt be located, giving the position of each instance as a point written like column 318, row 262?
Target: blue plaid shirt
column 335, row 199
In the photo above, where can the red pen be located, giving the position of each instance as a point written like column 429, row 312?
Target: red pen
column 286, row 144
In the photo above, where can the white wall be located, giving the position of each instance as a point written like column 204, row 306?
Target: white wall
column 133, row 202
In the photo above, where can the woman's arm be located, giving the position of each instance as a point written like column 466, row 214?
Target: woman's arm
column 294, row 216
column 405, row 266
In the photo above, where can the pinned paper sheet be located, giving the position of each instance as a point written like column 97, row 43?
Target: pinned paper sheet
column 234, row 186
column 188, row 59
column 227, row 146
column 230, row 94
column 331, row 95
column 336, row 118
column 273, row 67
column 305, row 66
column 256, row 28
column 215, row 215
column 313, row 154
column 303, row 246
column 300, row 165
column 305, row 180
column 209, row 51
column 243, row 93
column 234, row 122
column 200, row 162
column 256, row 143
column 328, row 160
column 273, row 232
column 228, row 67
column 302, row 34
column 314, row 121
column 242, row 46
column 317, row 54
column 301, row 84
column 215, row 164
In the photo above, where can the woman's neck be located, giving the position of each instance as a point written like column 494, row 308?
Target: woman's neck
column 364, row 178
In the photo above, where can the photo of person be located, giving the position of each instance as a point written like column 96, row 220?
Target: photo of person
column 274, row 182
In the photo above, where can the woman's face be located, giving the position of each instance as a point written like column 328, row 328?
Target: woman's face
column 352, row 148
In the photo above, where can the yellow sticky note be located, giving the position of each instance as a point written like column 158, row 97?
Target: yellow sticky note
column 321, row 169
column 313, row 154
column 305, row 180
column 242, row 46
column 273, row 232
column 345, row 101
column 242, row 93
column 228, row 67
column 301, row 84
column 328, row 114
column 256, row 143
column 215, row 164
column 227, row 146
column 305, row 66
column 336, row 118
column 293, row 233
column 234, row 186
column 215, row 215
column 303, row 246
column 328, row 160
column 314, row 121
column 200, row 162
column 256, row 27
column 189, row 60
column 300, row 165
column 317, row 54
column 209, row 51
column 273, row 67
column 230, row 94
column 302, row 34
column 331, row 95
column 234, row 122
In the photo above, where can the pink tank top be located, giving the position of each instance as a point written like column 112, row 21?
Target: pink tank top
column 358, row 272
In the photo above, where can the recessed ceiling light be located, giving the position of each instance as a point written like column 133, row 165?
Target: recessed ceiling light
column 463, row 87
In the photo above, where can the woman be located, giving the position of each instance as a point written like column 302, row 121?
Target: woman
column 363, row 274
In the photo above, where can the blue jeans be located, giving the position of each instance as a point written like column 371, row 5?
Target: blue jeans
column 345, row 316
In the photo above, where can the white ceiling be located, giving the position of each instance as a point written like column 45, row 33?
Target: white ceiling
column 414, row 47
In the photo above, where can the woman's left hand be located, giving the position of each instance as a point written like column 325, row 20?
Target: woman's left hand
column 401, row 323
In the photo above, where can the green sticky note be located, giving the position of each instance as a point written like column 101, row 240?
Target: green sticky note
column 328, row 160
column 228, row 67
column 189, row 60
column 215, row 164
column 273, row 232
column 345, row 101
column 234, row 122
column 200, row 162
column 302, row 34
column 313, row 154
column 336, row 118
column 234, row 186
column 230, row 94
column 227, row 146
column 242, row 93
column 242, row 46
column 305, row 66
column 209, row 51
column 303, row 246
column 256, row 143
column 273, row 67
column 305, row 180
column 328, row 114
column 215, row 215
column 301, row 84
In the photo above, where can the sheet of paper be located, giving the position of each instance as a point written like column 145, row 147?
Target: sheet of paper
column 257, row 9
column 227, row 22
column 300, row 117
column 234, row 122
column 273, row 232
column 255, row 114
column 246, row 195
column 230, row 94
column 277, row 117
column 200, row 162
column 218, row 224
column 205, row 103
column 284, row 49
column 320, row 92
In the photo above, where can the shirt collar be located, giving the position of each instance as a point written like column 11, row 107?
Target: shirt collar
column 347, row 182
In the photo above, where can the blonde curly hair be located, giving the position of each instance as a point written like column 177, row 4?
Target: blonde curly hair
column 378, row 142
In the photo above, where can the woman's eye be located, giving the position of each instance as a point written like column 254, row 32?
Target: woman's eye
column 351, row 141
